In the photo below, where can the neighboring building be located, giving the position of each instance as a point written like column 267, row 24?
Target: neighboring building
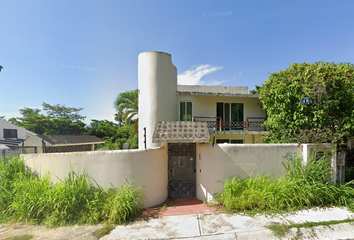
column 63, row 143
column 13, row 136
column 235, row 115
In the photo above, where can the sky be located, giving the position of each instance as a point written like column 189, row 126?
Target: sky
column 84, row 53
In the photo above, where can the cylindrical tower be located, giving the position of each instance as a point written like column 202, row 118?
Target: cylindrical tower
column 157, row 78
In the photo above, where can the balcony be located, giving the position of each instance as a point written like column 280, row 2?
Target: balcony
column 251, row 124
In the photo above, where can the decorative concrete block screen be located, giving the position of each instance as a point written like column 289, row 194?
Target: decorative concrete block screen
column 180, row 132
column 74, row 148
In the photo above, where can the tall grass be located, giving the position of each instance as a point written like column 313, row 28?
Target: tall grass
column 303, row 186
column 75, row 200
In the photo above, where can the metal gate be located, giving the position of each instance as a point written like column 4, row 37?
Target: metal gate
column 181, row 169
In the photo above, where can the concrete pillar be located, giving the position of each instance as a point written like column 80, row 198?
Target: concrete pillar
column 157, row 80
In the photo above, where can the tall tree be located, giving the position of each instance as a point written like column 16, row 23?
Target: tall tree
column 61, row 111
column 60, row 120
column 32, row 120
column 310, row 103
column 126, row 105
column 64, row 120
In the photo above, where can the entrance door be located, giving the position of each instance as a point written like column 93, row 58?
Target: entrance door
column 181, row 169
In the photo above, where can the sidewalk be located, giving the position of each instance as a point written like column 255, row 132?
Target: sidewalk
column 234, row 226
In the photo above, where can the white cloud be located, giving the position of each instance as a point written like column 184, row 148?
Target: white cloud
column 194, row 76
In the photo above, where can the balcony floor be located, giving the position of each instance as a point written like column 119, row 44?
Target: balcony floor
column 240, row 132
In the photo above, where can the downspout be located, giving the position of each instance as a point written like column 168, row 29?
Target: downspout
column 213, row 138
column 43, row 145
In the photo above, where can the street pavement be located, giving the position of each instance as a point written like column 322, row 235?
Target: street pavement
column 208, row 226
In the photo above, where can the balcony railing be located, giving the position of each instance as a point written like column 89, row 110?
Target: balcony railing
column 251, row 123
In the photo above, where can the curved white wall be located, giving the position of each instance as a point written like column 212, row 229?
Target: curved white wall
column 147, row 169
column 157, row 93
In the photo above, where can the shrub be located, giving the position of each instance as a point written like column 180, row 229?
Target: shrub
column 301, row 187
column 75, row 200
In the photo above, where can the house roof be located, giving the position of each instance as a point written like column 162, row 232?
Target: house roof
column 12, row 142
column 214, row 91
column 3, row 147
column 180, row 132
column 30, row 134
column 71, row 139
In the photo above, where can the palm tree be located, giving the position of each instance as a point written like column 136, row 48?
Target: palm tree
column 126, row 105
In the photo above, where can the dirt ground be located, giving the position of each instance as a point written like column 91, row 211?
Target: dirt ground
column 43, row 233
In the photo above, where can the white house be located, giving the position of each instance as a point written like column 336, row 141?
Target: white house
column 231, row 113
column 176, row 126
column 182, row 118
column 11, row 135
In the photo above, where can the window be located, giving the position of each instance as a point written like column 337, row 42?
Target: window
column 218, row 141
column 10, row 133
column 232, row 141
column 230, row 111
column 231, row 115
column 185, row 111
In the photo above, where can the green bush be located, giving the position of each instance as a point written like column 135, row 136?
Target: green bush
column 75, row 200
column 301, row 187
column 349, row 173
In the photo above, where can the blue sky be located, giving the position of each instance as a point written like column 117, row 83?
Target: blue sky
column 84, row 53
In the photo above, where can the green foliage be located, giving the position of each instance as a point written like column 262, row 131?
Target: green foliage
column 349, row 173
column 75, row 200
column 123, row 205
column 113, row 134
column 301, row 187
column 126, row 105
column 60, row 120
column 103, row 231
column 310, row 102
column 257, row 90
column 12, row 169
column 32, row 120
column 281, row 230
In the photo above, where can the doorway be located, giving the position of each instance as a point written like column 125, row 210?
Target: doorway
column 181, row 169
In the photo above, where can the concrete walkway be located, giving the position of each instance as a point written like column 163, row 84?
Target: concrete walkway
column 235, row 226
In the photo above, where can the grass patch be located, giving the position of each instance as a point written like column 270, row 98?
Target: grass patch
column 302, row 187
column 77, row 199
column 282, row 230
column 23, row 237
column 279, row 230
column 103, row 231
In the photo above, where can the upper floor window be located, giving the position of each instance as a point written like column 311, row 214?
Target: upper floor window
column 10, row 133
column 232, row 112
column 185, row 111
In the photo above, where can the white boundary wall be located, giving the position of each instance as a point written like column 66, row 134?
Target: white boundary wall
column 147, row 168
column 223, row 161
